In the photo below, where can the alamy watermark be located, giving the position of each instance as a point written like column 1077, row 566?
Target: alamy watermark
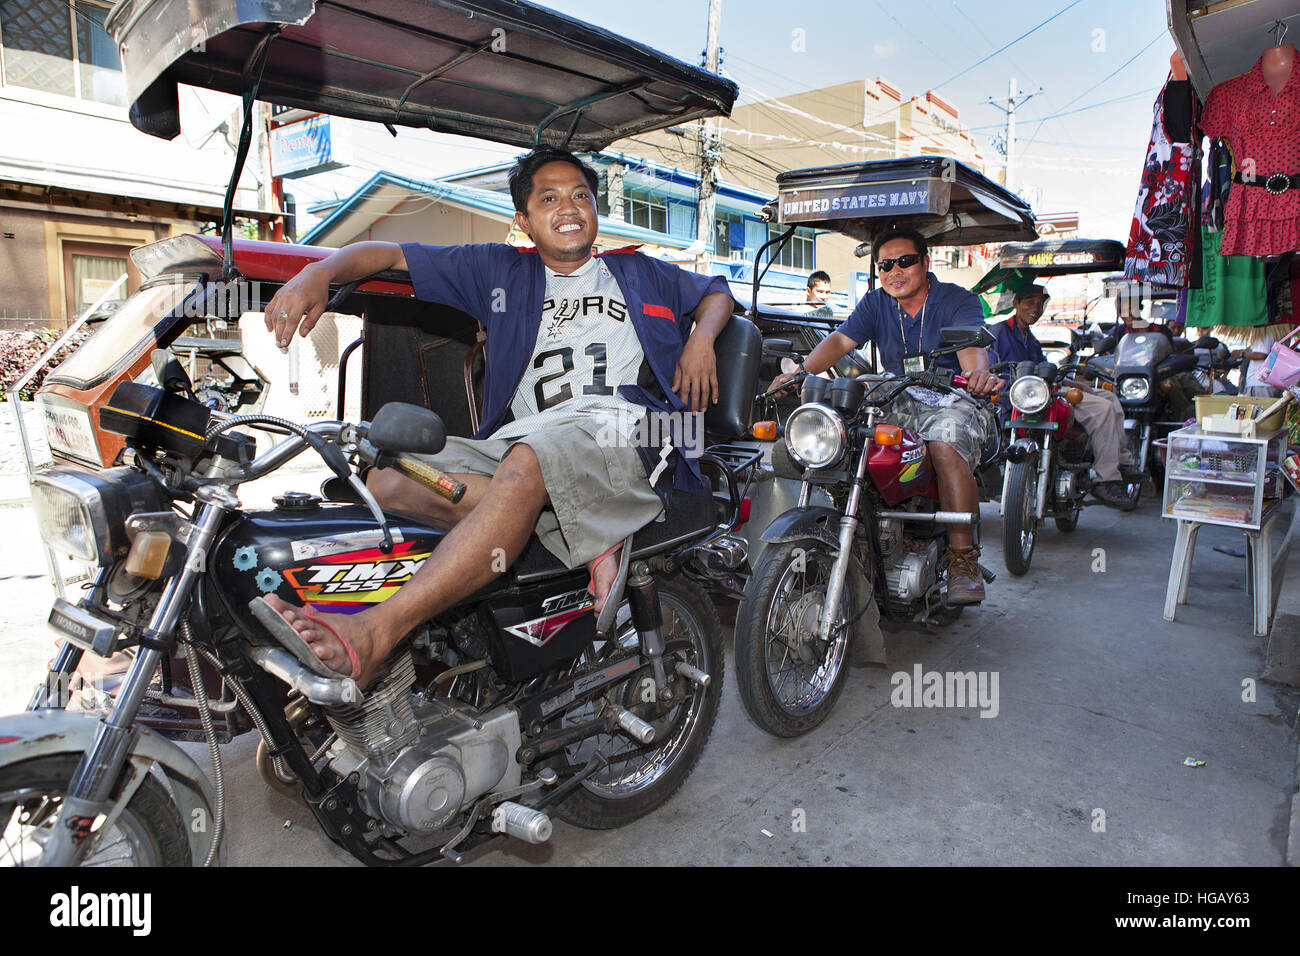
column 957, row 689
column 635, row 428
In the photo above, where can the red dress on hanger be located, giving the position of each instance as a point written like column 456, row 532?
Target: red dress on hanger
column 1262, row 128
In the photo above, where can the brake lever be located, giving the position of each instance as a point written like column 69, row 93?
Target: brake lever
column 772, row 393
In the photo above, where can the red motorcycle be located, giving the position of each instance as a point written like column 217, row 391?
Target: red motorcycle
column 823, row 570
column 1048, row 460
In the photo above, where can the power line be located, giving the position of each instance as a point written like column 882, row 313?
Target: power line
column 1008, row 46
column 1094, row 86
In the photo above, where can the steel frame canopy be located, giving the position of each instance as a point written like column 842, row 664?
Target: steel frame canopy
column 500, row 70
column 946, row 201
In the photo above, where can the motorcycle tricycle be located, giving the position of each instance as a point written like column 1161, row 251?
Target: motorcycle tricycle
column 512, row 706
column 876, row 551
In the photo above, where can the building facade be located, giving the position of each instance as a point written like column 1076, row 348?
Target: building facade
column 79, row 186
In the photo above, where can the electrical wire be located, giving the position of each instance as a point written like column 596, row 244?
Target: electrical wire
column 1008, row 46
column 1094, row 86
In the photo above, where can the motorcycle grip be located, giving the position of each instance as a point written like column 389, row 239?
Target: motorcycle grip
column 427, row 475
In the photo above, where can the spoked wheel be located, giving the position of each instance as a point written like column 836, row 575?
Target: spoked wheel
column 148, row 832
column 789, row 680
column 1019, row 521
column 639, row 777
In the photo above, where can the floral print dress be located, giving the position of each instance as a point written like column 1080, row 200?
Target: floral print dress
column 1161, row 239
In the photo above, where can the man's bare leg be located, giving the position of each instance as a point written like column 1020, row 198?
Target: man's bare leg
column 396, row 492
column 502, row 521
column 957, row 490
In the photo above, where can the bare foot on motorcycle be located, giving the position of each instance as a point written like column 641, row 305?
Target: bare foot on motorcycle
column 342, row 642
column 604, row 571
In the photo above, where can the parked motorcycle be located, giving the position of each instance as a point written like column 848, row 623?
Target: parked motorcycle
column 1048, row 460
column 513, row 706
column 1141, row 369
column 824, row 568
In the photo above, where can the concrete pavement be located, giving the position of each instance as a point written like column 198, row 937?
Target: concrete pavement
column 1099, row 703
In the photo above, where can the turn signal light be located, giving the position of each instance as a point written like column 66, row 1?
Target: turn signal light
column 148, row 554
column 1074, row 395
column 1167, row 386
column 888, row 435
column 765, row 431
column 1108, row 386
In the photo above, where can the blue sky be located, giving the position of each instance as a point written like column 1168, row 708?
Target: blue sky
column 1100, row 64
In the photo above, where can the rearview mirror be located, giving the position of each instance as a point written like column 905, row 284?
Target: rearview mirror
column 401, row 426
column 967, row 337
column 169, row 372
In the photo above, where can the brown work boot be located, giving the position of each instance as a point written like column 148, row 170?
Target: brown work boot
column 965, row 583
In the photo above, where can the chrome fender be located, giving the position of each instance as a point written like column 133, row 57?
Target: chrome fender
column 40, row 732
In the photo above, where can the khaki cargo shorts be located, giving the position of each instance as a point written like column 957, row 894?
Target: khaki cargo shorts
column 961, row 425
column 599, row 495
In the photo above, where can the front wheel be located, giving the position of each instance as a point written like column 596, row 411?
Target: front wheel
column 789, row 680
column 1020, row 520
column 148, row 832
column 637, row 778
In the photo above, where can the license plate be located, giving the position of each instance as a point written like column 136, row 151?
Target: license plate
column 82, row 628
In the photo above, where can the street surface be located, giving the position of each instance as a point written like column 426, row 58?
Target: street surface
column 1099, row 703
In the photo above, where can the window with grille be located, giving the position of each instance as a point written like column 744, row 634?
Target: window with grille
column 799, row 252
column 643, row 208
column 60, row 47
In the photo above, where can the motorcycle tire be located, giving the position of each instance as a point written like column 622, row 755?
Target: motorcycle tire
column 613, row 797
column 150, row 829
column 777, row 579
column 1019, row 524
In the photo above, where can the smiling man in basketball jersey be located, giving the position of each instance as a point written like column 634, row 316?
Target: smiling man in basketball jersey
column 579, row 346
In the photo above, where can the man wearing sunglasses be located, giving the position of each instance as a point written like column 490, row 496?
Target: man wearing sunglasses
column 904, row 318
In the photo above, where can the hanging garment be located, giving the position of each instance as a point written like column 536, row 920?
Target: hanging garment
column 1232, row 288
column 1283, row 280
column 1161, row 239
column 1263, row 130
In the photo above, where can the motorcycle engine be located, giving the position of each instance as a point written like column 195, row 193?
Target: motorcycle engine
column 912, row 571
column 419, row 760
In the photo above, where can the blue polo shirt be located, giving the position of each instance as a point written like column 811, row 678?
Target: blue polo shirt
column 1015, row 346
column 878, row 318
column 502, row 287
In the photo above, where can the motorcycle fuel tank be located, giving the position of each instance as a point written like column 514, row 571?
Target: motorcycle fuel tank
column 327, row 558
column 900, row 471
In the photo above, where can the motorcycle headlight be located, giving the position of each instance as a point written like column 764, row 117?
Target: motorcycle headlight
column 815, row 436
column 1134, row 389
column 1030, row 394
column 84, row 515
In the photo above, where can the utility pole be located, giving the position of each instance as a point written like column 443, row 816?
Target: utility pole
column 710, row 134
column 1014, row 99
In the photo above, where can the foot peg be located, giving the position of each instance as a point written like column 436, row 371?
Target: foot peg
column 520, row 822
column 988, row 576
column 637, row 728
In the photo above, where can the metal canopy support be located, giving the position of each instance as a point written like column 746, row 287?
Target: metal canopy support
column 252, row 79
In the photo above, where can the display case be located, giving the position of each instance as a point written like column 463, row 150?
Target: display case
column 1222, row 479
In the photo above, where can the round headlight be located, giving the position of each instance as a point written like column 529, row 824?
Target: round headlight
column 1135, row 389
column 1030, row 394
column 815, row 436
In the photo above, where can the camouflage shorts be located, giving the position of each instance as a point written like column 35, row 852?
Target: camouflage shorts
column 962, row 425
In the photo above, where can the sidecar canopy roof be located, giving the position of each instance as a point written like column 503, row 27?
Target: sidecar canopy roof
column 946, row 201
column 501, row 70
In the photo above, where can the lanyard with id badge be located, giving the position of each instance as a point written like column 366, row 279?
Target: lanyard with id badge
column 913, row 361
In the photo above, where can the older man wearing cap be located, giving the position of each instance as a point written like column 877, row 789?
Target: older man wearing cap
column 1100, row 413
